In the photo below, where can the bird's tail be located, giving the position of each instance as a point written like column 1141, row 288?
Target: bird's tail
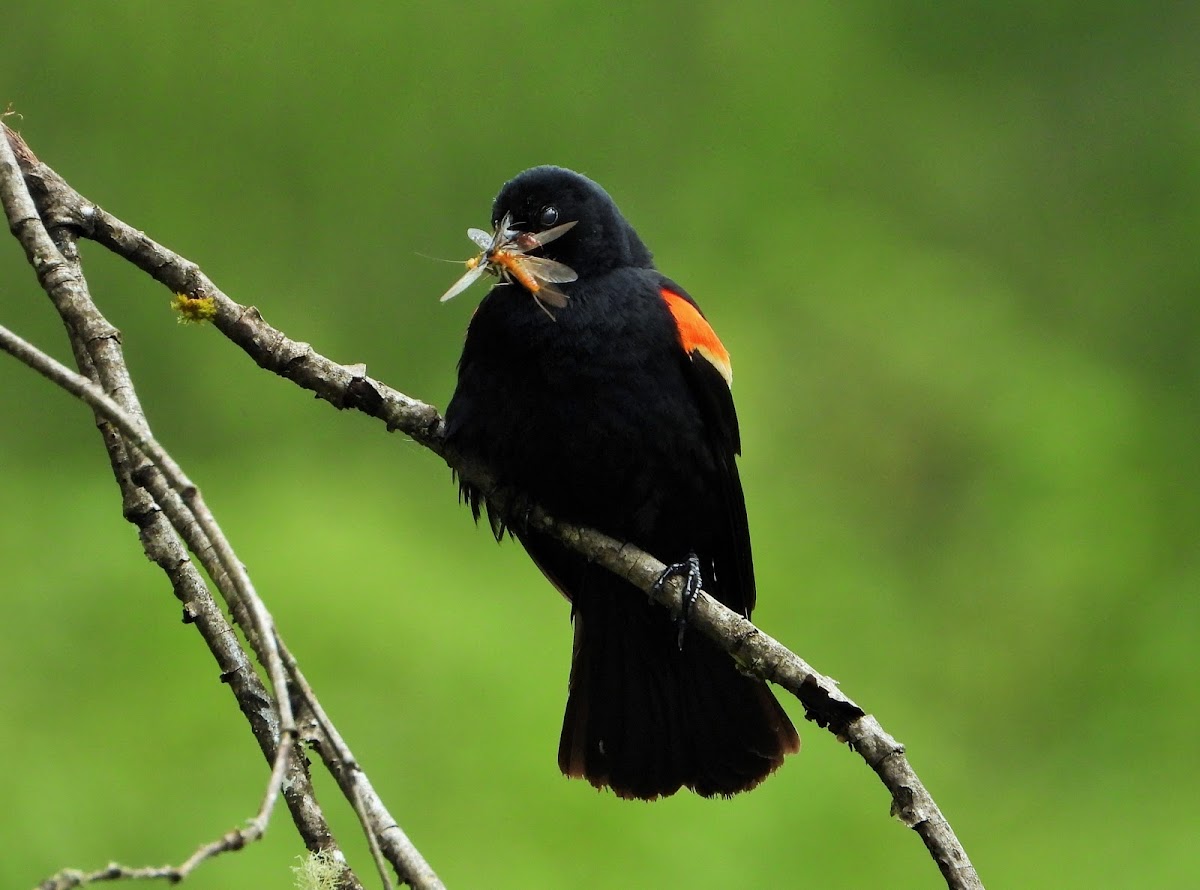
column 646, row 718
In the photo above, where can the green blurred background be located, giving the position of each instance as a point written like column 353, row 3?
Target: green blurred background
column 953, row 252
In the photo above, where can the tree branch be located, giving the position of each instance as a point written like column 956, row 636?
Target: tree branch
column 98, row 353
column 350, row 387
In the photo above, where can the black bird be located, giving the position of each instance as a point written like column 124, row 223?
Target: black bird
column 604, row 396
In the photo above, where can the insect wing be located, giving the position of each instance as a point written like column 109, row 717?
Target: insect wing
column 542, row 238
column 482, row 239
column 551, row 295
column 523, row 242
column 466, row 281
column 547, row 270
column 547, row 273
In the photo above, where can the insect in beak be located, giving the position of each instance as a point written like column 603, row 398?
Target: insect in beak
column 505, row 254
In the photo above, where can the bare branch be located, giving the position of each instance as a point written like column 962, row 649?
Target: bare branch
column 73, row 877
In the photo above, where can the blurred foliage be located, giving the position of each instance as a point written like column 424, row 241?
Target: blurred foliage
column 952, row 248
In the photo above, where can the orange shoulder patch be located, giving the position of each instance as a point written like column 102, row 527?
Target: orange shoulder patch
column 697, row 335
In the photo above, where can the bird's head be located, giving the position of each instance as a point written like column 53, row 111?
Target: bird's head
column 544, row 197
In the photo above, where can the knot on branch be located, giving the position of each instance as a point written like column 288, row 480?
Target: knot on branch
column 908, row 808
column 361, row 393
column 828, row 708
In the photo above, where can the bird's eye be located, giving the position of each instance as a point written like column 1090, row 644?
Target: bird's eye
column 548, row 216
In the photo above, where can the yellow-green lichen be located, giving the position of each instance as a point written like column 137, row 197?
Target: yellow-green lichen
column 194, row 310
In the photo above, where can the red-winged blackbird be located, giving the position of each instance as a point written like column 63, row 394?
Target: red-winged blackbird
column 606, row 400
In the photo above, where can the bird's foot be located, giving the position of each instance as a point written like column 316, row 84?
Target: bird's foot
column 689, row 569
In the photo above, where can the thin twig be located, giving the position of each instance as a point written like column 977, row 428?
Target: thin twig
column 69, row 878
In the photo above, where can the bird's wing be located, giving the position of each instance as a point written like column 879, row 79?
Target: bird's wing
column 708, row 370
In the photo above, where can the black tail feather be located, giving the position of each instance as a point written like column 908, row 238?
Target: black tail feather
column 646, row 718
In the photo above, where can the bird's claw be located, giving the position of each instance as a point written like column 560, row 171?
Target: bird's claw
column 689, row 569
